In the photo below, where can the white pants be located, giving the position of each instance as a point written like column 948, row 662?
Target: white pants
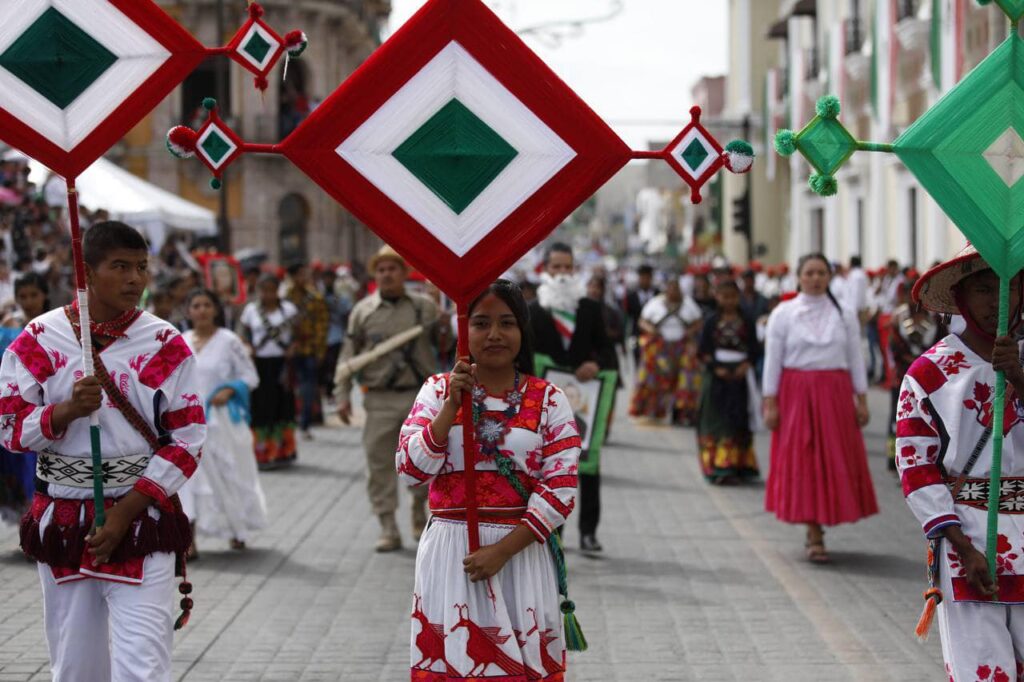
column 100, row 631
column 982, row 638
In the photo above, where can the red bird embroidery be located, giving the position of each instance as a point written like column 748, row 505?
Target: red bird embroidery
column 163, row 335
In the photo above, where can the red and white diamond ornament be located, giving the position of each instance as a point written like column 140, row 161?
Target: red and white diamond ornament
column 258, row 47
column 125, row 56
column 696, row 155
column 457, row 145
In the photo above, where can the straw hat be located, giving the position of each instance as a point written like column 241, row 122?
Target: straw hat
column 934, row 290
column 386, row 252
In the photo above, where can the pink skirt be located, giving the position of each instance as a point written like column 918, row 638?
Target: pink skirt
column 819, row 469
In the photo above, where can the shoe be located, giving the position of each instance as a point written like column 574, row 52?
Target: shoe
column 589, row 543
column 389, row 539
column 419, row 520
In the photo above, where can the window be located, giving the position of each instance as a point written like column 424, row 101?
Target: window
column 200, row 84
column 817, row 230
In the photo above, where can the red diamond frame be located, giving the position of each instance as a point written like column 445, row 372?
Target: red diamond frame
column 213, row 119
column 599, row 151
column 695, row 183
column 186, row 54
column 236, row 43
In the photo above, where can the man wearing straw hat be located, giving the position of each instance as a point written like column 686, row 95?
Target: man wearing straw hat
column 944, row 455
column 390, row 383
column 108, row 597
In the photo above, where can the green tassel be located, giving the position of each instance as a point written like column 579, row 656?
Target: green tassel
column 209, row 103
column 215, row 183
column 574, row 639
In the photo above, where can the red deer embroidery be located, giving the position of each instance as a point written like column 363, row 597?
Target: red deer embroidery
column 191, row 398
column 35, row 329
column 551, row 666
column 138, row 362
column 484, row 646
column 13, row 388
column 430, row 641
column 60, row 360
column 163, row 335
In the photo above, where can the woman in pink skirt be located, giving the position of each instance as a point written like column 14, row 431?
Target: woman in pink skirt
column 815, row 401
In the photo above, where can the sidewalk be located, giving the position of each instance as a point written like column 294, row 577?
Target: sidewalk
column 697, row 583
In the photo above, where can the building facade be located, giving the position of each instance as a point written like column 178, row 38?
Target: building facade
column 270, row 205
column 888, row 61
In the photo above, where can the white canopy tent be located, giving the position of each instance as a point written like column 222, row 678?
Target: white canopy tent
column 128, row 198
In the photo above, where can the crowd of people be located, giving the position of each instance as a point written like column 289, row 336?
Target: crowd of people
column 244, row 370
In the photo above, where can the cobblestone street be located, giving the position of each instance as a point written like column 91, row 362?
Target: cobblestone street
column 697, row 583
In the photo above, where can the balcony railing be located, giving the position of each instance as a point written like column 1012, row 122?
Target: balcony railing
column 854, row 34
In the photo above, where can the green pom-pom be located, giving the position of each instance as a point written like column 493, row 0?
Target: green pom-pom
column 984, row 2
column 209, row 103
column 785, row 142
column 828, row 107
column 823, row 185
column 740, row 147
column 215, row 183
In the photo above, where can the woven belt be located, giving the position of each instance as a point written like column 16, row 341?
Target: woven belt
column 974, row 493
column 76, row 472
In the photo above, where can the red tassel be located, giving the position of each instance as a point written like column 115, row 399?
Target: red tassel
column 167, row 530
column 932, row 599
column 53, row 546
column 255, row 11
column 76, row 546
column 261, row 83
column 147, row 541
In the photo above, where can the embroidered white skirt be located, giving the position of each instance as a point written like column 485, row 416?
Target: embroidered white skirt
column 508, row 628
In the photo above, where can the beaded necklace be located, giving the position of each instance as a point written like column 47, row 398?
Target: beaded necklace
column 492, row 429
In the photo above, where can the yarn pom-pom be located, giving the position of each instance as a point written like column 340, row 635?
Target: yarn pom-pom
column 255, row 10
column 181, row 141
column 738, row 156
column 261, row 83
column 209, row 103
column 295, row 42
column 785, row 142
column 984, row 2
column 215, row 183
column 828, row 107
column 823, row 185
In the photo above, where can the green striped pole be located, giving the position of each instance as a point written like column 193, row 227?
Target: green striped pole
column 995, row 475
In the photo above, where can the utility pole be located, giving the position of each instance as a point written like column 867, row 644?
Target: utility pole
column 221, row 88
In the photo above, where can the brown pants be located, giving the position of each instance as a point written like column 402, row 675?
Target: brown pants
column 385, row 413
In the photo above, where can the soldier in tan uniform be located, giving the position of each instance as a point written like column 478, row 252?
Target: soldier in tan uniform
column 390, row 383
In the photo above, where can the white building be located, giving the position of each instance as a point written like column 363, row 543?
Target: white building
column 887, row 61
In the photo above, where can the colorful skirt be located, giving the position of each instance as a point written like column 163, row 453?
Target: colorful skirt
column 668, row 377
column 273, row 415
column 819, row 469
column 725, row 443
column 17, row 484
column 507, row 629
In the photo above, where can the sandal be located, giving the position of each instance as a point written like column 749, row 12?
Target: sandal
column 816, row 552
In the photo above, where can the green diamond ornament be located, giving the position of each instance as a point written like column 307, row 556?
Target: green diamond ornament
column 56, row 58
column 455, row 154
column 257, row 47
column 695, row 154
column 826, row 144
column 968, row 154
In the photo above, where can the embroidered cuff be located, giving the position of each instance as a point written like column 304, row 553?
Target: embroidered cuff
column 934, row 526
column 432, row 443
column 46, row 424
column 151, row 489
column 536, row 526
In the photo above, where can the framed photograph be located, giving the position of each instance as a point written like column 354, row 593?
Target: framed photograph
column 223, row 275
column 591, row 403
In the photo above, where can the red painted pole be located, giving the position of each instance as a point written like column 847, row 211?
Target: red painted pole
column 468, row 435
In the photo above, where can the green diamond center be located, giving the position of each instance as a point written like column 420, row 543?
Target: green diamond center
column 56, row 58
column 694, row 154
column 827, row 145
column 215, row 147
column 256, row 47
column 455, row 154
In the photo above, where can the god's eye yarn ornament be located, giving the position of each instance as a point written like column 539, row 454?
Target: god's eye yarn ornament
column 968, row 154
